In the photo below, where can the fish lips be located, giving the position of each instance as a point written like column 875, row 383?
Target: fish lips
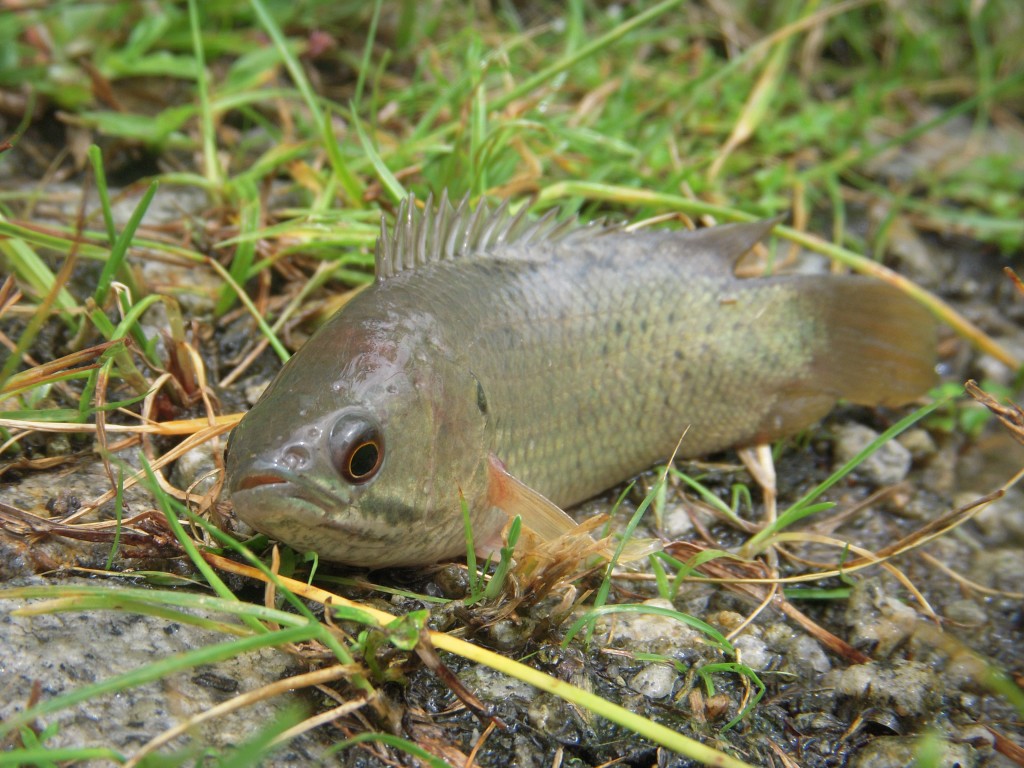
column 307, row 518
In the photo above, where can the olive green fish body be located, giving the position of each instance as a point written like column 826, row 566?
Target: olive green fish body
column 575, row 357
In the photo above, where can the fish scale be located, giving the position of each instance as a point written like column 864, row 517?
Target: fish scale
column 528, row 365
column 627, row 403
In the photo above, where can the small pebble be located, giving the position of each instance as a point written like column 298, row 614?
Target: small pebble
column 800, row 654
column 550, row 715
column 909, row 688
column 965, row 670
column 453, row 581
column 58, row 445
column 910, row 254
column 655, row 681
column 725, row 620
column 1001, row 520
column 1001, row 568
column 901, row 751
column 978, row 736
column 648, row 632
column 509, row 634
column 919, row 442
column 994, row 371
column 778, row 636
column 811, row 654
column 878, row 622
column 753, row 651
column 195, row 465
column 970, row 613
column 886, row 466
column 255, row 391
column 676, row 524
column 493, row 686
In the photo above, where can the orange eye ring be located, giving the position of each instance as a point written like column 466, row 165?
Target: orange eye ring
column 363, row 461
column 356, row 447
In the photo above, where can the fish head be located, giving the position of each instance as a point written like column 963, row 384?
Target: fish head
column 360, row 447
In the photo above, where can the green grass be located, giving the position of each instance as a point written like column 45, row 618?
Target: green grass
column 303, row 123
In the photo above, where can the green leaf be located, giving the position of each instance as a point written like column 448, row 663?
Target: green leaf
column 404, row 632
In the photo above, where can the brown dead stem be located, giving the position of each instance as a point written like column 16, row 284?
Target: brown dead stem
column 751, row 579
column 1010, row 415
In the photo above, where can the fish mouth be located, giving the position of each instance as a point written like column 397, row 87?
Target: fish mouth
column 306, row 516
column 298, row 511
column 282, row 484
column 258, row 481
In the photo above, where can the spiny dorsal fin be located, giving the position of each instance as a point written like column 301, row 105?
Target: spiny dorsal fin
column 452, row 232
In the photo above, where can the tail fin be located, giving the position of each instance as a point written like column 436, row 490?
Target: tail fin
column 882, row 343
column 879, row 349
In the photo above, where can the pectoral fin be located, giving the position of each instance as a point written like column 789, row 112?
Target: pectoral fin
column 546, row 521
column 513, row 497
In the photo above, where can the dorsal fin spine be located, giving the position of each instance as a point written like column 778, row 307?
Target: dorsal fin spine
column 444, row 231
column 471, row 232
column 513, row 226
column 422, row 227
column 450, row 215
column 540, row 228
column 451, row 245
column 494, row 225
column 437, row 231
column 403, row 256
column 381, row 250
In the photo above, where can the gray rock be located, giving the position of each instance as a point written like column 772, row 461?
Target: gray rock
column 550, row 715
column 901, row 751
column 878, row 622
column 965, row 670
column 910, row 254
column 926, row 153
column 677, row 522
column 753, row 651
column 810, row 652
column 255, row 391
column 196, row 471
column 1001, row 520
column 919, row 442
column 991, row 369
column 655, row 681
column 966, row 611
column 908, row 688
column 886, row 466
column 495, row 687
column 62, row 652
column 1001, row 568
column 647, row 632
column 801, row 655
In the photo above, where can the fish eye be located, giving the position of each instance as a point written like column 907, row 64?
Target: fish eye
column 357, row 447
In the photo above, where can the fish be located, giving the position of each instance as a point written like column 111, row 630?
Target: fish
column 520, row 366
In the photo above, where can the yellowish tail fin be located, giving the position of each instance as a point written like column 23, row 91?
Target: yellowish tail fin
column 882, row 343
column 879, row 349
